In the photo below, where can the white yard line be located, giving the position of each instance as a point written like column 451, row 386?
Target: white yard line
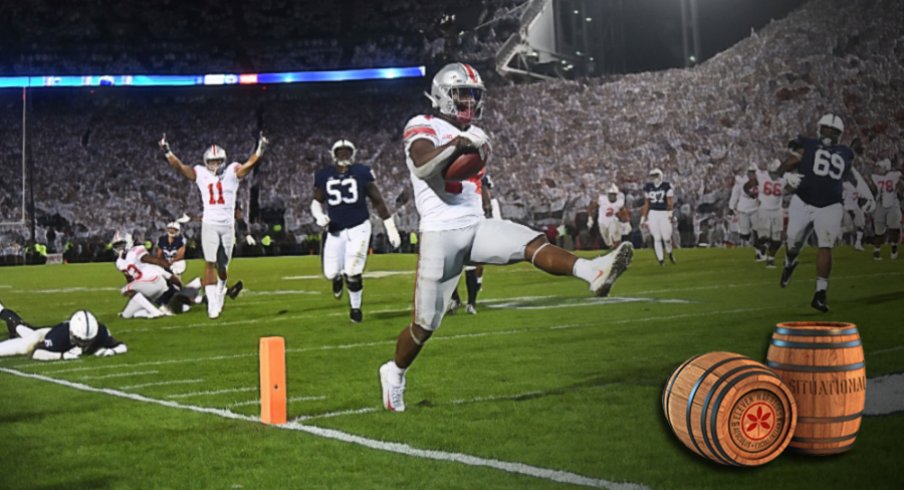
column 119, row 375
column 213, row 392
column 670, row 317
column 339, row 413
column 293, row 399
column 162, row 383
column 886, row 351
column 393, row 447
column 885, row 395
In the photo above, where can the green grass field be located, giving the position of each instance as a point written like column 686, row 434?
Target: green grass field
column 545, row 388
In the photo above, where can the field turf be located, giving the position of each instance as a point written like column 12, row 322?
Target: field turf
column 546, row 387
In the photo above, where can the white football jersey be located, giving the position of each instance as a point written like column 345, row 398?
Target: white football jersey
column 769, row 190
column 739, row 199
column 218, row 193
column 887, row 186
column 851, row 196
column 608, row 210
column 443, row 205
column 132, row 265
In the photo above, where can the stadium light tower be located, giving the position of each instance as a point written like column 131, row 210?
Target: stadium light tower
column 690, row 32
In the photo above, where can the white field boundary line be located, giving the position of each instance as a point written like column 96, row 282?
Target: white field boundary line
column 213, row 392
column 885, row 395
column 558, row 476
column 392, row 342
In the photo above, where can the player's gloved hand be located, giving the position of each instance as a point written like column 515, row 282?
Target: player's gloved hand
column 869, row 206
column 392, row 233
column 250, row 240
column 73, row 353
column 165, row 146
column 184, row 219
column 120, row 349
column 104, row 352
column 589, row 221
column 262, row 143
column 793, row 179
column 671, row 214
column 323, row 221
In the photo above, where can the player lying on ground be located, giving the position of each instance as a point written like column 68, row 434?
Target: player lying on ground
column 81, row 334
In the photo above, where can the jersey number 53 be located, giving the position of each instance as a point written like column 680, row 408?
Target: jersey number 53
column 345, row 190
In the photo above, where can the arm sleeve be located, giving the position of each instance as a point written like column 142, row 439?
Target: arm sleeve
column 419, row 128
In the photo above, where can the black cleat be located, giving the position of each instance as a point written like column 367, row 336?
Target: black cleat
column 672, row 258
column 356, row 315
column 454, row 304
column 661, row 263
column 786, row 273
column 235, row 289
column 337, row 287
column 819, row 301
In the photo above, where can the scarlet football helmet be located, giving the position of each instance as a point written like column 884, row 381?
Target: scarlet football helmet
column 121, row 242
column 457, row 91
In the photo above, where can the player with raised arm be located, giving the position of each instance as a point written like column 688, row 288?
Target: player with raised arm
column 820, row 166
column 887, row 216
column 343, row 187
column 770, row 219
column 219, row 185
column 612, row 216
column 81, row 334
column 658, row 204
column 453, row 229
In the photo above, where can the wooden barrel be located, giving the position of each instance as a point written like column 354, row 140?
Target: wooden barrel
column 822, row 363
column 729, row 409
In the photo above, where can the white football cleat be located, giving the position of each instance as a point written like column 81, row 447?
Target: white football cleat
column 609, row 267
column 393, row 391
column 471, row 309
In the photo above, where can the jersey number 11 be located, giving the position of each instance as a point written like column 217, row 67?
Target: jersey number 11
column 219, row 200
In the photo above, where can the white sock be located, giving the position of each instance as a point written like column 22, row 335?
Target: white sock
column 657, row 246
column 195, row 283
column 354, row 297
column 212, row 299
column 397, row 371
column 221, row 287
column 859, row 237
column 668, row 247
column 1, row 306
column 822, row 283
column 583, row 269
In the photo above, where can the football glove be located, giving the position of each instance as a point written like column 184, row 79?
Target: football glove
column 643, row 221
column 590, row 222
column 262, row 143
column 73, row 353
column 45, row 355
column 104, row 352
column 793, row 179
column 250, row 240
column 392, row 233
column 165, row 146
column 869, row 206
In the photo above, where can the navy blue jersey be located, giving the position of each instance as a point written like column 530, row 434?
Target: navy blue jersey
column 824, row 169
column 59, row 340
column 346, row 194
column 170, row 249
column 657, row 195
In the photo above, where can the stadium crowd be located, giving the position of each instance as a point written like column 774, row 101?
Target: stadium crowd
column 557, row 144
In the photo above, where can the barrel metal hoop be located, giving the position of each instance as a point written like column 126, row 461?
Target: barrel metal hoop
column 668, row 395
column 811, row 345
column 815, row 369
column 828, row 420
column 718, row 402
column 823, row 440
column 690, row 398
column 802, row 332
column 709, row 396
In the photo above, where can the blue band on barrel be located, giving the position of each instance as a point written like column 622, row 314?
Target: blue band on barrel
column 811, row 345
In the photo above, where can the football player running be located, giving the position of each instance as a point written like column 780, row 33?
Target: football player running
column 218, row 185
column 768, row 186
column 820, row 167
column 612, row 216
column 743, row 202
column 854, row 216
column 453, row 229
column 343, row 187
column 658, row 203
column 887, row 216
column 81, row 334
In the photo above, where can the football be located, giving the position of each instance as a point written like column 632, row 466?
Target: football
column 466, row 166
